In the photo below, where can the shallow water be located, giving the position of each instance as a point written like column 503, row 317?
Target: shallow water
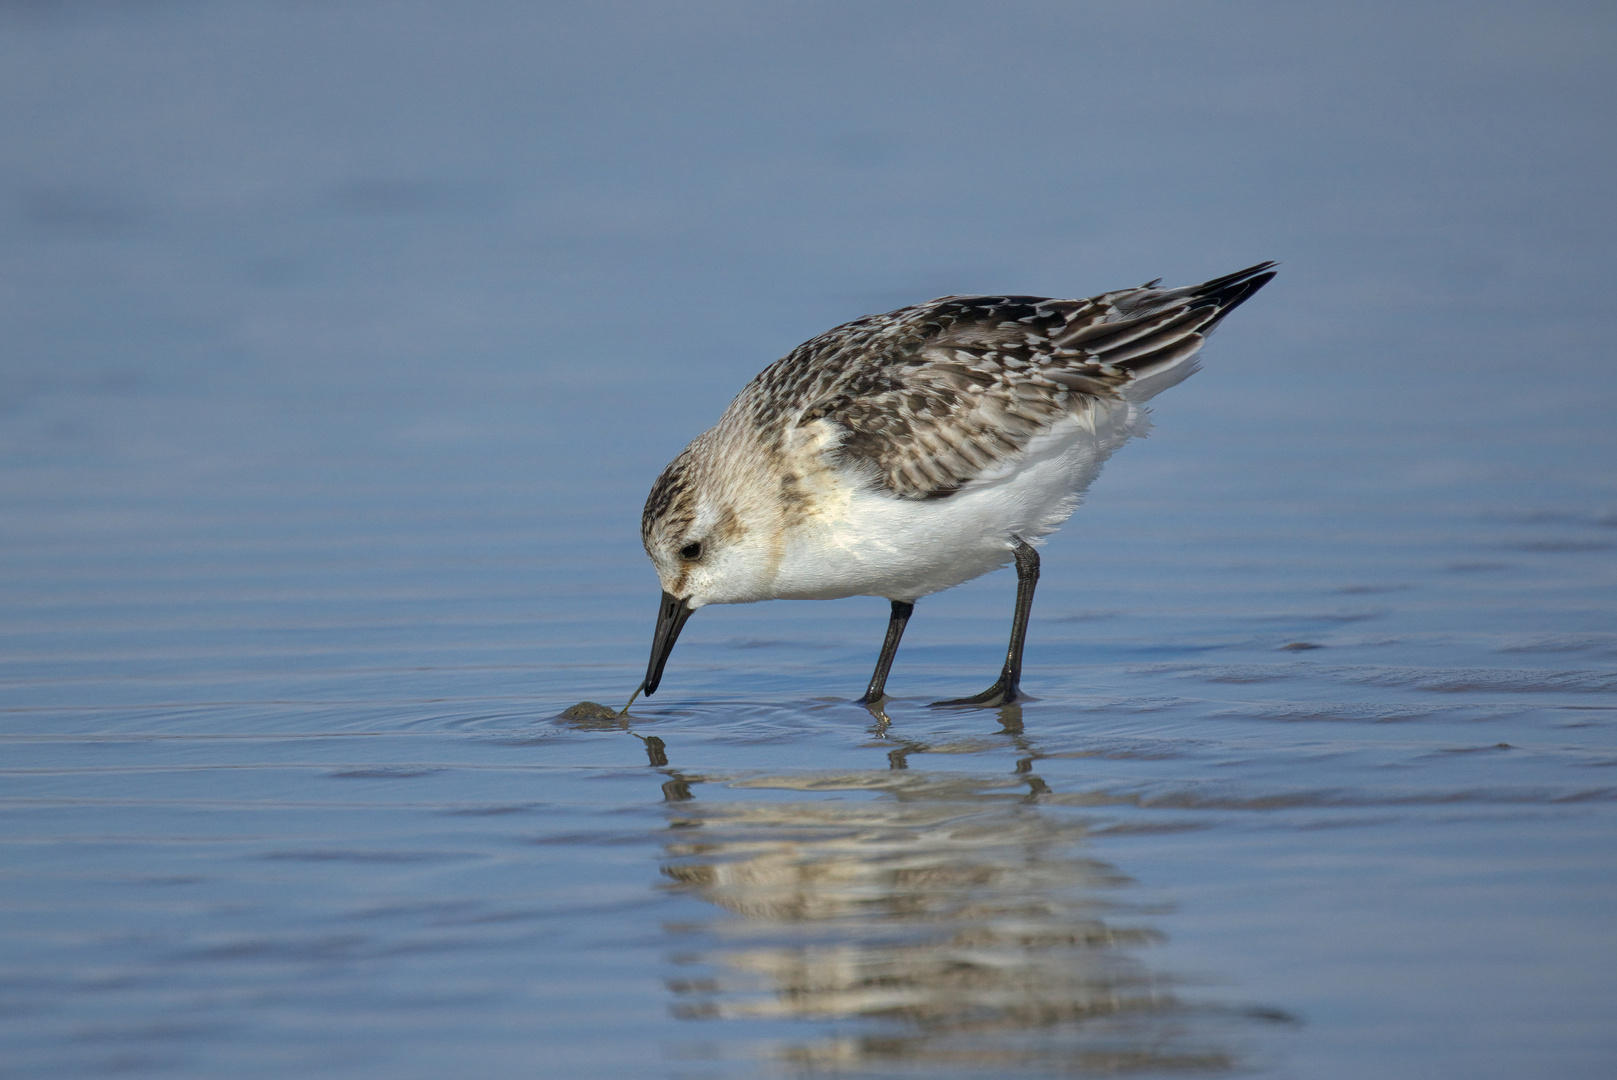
column 342, row 342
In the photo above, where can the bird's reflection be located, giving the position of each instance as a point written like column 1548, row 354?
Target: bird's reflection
column 957, row 927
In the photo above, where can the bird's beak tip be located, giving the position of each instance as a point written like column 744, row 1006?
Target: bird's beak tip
column 672, row 611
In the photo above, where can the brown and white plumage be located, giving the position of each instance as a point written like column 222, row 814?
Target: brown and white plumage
column 900, row 454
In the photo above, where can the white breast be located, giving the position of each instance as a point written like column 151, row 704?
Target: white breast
column 865, row 543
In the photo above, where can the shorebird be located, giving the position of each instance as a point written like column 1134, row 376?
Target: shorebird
column 902, row 454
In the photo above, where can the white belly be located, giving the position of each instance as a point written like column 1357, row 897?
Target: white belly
column 868, row 544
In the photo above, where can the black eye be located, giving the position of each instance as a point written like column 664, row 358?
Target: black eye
column 691, row 552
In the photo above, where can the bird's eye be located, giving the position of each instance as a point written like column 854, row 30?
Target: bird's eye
column 691, row 552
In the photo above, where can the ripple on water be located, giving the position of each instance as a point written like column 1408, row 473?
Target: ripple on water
column 1444, row 680
column 1598, row 644
column 1362, row 712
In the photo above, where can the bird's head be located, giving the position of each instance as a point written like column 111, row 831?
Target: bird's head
column 709, row 542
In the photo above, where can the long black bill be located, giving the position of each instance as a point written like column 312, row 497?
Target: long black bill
column 671, row 615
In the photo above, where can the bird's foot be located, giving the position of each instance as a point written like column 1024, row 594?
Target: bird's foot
column 1003, row 692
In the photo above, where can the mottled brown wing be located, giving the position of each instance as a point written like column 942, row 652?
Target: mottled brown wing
column 934, row 396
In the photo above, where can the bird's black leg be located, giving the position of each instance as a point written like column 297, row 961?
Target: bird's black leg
column 1008, row 687
column 884, row 663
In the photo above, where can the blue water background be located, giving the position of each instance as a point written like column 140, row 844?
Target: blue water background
column 340, row 342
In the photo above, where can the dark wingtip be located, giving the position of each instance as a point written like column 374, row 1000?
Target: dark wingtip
column 1218, row 284
column 1232, row 290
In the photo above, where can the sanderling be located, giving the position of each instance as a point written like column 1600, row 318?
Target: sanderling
column 902, row 454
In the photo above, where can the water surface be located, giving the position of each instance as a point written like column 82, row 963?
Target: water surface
column 343, row 341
